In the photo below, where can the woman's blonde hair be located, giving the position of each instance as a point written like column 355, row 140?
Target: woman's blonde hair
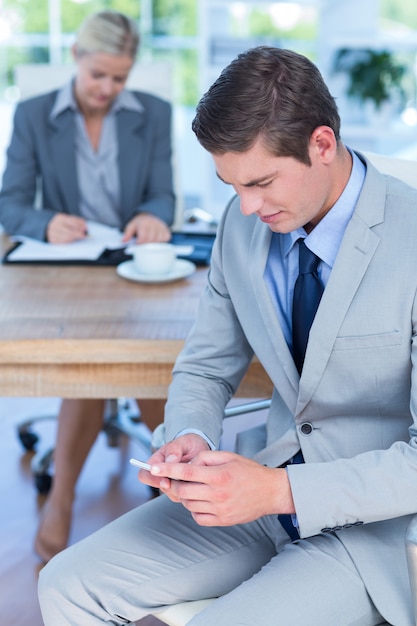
column 109, row 32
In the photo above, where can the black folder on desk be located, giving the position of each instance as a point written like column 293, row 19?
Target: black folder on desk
column 202, row 244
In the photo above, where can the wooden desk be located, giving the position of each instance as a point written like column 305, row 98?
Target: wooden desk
column 84, row 332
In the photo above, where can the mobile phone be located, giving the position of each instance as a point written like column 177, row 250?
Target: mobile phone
column 140, row 464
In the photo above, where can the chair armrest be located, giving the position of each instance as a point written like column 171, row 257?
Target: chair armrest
column 158, row 435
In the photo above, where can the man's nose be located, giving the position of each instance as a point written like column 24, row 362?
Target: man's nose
column 250, row 201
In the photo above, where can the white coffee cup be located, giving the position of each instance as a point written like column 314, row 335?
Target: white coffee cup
column 154, row 258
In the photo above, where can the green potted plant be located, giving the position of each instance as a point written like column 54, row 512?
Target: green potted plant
column 374, row 76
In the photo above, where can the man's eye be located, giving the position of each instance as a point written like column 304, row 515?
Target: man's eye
column 265, row 185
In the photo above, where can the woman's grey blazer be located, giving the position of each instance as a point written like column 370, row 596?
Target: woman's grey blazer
column 41, row 157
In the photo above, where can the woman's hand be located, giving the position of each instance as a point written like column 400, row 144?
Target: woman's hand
column 146, row 228
column 65, row 228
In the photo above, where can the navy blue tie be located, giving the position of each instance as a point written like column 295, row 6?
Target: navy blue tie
column 307, row 294
column 308, row 290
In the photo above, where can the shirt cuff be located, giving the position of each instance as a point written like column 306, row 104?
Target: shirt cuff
column 294, row 518
column 195, row 431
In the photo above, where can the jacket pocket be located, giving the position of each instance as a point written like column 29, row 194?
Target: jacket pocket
column 364, row 342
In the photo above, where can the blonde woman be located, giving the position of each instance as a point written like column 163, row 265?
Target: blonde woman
column 102, row 153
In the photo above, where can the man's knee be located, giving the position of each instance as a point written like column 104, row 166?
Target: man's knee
column 61, row 577
column 51, row 575
column 49, row 583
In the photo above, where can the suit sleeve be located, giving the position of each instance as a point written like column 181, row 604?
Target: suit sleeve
column 18, row 215
column 213, row 362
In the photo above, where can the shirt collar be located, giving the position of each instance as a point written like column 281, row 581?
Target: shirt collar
column 325, row 239
column 65, row 100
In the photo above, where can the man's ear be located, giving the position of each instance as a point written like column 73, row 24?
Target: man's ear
column 323, row 142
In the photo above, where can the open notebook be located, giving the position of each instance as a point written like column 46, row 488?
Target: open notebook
column 103, row 246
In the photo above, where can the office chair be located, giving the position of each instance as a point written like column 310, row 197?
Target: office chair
column 120, row 418
column 35, row 78
column 180, row 614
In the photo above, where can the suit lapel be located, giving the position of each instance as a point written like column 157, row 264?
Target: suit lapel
column 131, row 155
column 281, row 368
column 62, row 133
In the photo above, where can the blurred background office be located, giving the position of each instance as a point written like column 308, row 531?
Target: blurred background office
column 367, row 52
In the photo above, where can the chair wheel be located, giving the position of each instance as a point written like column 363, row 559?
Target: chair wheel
column 43, row 483
column 110, row 424
column 112, row 433
column 28, row 440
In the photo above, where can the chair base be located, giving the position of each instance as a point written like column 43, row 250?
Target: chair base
column 180, row 614
column 119, row 420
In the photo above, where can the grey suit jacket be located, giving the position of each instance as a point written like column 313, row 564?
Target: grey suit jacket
column 353, row 412
column 41, row 156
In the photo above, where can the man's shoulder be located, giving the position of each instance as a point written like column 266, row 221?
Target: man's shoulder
column 236, row 226
column 231, row 212
column 399, row 194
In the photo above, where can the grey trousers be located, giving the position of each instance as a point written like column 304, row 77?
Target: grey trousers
column 157, row 555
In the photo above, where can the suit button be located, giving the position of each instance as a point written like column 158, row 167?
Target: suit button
column 306, row 428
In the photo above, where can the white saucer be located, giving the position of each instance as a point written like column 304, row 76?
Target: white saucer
column 181, row 269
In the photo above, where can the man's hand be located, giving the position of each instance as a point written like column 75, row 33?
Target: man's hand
column 146, row 228
column 183, row 449
column 223, row 488
column 65, row 228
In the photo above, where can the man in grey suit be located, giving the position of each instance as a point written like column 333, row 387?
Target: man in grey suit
column 222, row 528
